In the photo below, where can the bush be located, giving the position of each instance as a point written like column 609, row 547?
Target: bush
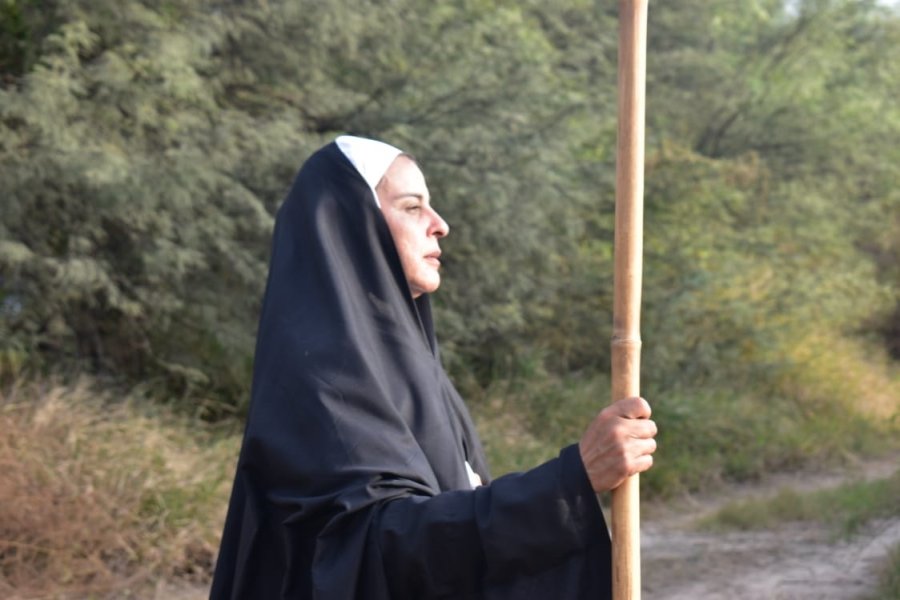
column 99, row 497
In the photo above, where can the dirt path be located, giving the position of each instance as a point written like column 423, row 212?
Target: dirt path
column 796, row 561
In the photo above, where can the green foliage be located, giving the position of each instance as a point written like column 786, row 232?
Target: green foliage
column 846, row 508
column 22, row 24
column 121, row 236
column 142, row 170
column 889, row 581
column 144, row 148
column 706, row 437
column 525, row 421
column 743, row 438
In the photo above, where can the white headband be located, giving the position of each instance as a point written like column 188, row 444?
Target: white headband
column 371, row 158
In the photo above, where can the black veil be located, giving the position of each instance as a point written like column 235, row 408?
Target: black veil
column 352, row 478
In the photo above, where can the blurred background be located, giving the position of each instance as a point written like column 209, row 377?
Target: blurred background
column 146, row 145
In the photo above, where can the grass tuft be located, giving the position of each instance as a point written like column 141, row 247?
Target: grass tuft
column 889, row 582
column 846, row 508
column 99, row 497
column 819, row 415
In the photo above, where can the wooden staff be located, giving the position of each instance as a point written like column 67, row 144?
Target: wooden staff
column 626, row 338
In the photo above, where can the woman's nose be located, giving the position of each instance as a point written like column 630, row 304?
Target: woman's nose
column 439, row 227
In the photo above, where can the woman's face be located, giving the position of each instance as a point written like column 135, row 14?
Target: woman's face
column 415, row 225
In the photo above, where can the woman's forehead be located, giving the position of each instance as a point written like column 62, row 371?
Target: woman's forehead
column 404, row 177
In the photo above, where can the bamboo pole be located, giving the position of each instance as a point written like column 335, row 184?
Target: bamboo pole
column 626, row 338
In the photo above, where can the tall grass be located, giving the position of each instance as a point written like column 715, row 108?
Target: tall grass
column 889, row 581
column 100, row 497
column 834, row 400
column 846, row 508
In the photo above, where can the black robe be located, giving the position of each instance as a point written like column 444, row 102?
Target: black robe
column 351, row 481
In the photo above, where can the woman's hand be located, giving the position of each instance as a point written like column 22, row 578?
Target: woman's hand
column 618, row 443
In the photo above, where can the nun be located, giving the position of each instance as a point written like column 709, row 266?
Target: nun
column 361, row 474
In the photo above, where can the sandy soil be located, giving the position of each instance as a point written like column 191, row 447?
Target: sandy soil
column 796, row 561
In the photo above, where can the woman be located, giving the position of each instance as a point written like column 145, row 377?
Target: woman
column 361, row 475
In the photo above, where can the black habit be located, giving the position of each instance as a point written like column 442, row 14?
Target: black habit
column 352, row 478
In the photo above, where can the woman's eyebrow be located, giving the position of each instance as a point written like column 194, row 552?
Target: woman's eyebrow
column 416, row 195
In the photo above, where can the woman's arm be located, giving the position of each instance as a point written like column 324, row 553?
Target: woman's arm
column 460, row 542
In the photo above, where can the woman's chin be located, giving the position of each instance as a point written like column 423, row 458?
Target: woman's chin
column 425, row 285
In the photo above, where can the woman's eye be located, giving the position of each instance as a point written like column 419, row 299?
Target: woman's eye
column 413, row 208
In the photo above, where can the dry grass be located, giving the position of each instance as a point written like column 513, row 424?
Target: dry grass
column 837, row 401
column 846, row 508
column 862, row 377
column 101, row 498
column 889, row 580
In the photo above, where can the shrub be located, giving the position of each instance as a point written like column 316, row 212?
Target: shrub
column 99, row 497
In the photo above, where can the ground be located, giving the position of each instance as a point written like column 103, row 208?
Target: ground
column 796, row 561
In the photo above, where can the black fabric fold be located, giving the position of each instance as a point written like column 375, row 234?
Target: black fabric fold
column 351, row 481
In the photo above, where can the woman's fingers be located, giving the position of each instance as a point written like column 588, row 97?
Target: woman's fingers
column 618, row 443
column 631, row 408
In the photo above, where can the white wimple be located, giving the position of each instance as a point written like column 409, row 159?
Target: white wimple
column 370, row 157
